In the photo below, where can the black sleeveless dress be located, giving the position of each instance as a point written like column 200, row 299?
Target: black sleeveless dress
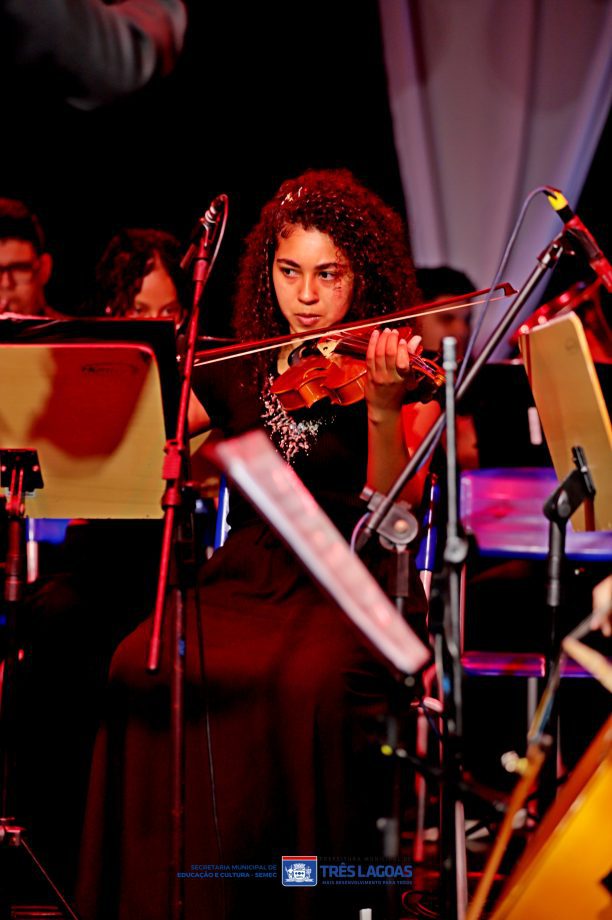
column 283, row 701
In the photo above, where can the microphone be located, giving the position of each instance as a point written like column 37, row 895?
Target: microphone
column 582, row 235
column 214, row 212
column 207, row 224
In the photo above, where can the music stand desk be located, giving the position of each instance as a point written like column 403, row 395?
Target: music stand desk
column 572, row 409
column 89, row 397
column 502, row 508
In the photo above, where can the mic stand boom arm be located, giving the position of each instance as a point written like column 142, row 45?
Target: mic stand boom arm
column 546, row 261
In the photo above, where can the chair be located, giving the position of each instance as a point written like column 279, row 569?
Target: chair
column 502, row 509
column 222, row 528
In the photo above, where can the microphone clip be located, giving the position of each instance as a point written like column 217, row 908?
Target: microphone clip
column 205, row 234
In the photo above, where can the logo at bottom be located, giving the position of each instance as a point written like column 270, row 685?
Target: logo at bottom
column 299, row 871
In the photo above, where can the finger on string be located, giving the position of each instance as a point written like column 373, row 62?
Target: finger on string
column 414, row 344
column 391, row 344
column 403, row 356
column 373, row 346
column 380, row 353
column 371, row 349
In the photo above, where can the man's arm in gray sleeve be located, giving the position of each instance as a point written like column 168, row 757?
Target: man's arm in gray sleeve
column 101, row 52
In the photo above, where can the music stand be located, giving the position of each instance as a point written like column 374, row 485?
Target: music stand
column 577, row 428
column 95, row 398
column 572, row 409
column 86, row 399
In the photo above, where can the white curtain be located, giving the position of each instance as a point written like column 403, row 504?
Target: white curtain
column 491, row 98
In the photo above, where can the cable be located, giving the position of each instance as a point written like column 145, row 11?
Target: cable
column 357, row 528
column 540, row 189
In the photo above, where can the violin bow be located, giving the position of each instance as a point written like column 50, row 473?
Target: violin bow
column 243, row 349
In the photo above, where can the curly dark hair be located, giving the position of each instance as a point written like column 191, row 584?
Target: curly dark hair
column 128, row 257
column 370, row 235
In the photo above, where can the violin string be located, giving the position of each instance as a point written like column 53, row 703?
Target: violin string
column 428, row 368
column 243, row 352
column 358, row 342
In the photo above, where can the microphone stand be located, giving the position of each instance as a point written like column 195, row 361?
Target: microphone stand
column 20, row 472
column 452, row 820
column 575, row 489
column 401, row 530
column 178, row 548
column 454, row 893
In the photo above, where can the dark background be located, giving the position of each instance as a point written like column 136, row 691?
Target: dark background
column 260, row 93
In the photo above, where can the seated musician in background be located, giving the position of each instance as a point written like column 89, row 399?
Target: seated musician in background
column 25, row 264
column 439, row 283
column 281, row 688
column 139, row 275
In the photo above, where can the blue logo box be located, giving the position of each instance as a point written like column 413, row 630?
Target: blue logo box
column 299, row 871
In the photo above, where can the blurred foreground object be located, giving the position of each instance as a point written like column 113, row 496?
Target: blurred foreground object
column 94, row 53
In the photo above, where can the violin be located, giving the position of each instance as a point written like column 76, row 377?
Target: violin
column 335, row 369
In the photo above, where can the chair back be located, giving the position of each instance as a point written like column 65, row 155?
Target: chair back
column 426, row 553
column 222, row 528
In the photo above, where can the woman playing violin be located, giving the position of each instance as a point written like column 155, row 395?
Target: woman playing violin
column 327, row 250
column 283, row 693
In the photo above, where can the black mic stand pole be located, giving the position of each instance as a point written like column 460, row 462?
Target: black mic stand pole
column 178, row 549
column 575, row 489
column 20, row 472
column 452, row 822
column 401, row 529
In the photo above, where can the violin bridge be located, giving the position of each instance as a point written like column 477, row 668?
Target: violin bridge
column 327, row 346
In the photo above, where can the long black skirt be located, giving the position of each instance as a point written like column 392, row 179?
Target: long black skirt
column 284, row 709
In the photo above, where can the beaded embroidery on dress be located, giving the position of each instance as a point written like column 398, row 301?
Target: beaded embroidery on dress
column 290, row 437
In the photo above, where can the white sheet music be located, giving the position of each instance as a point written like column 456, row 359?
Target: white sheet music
column 281, row 498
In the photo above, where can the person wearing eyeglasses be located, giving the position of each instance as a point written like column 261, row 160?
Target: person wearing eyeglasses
column 25, row 265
